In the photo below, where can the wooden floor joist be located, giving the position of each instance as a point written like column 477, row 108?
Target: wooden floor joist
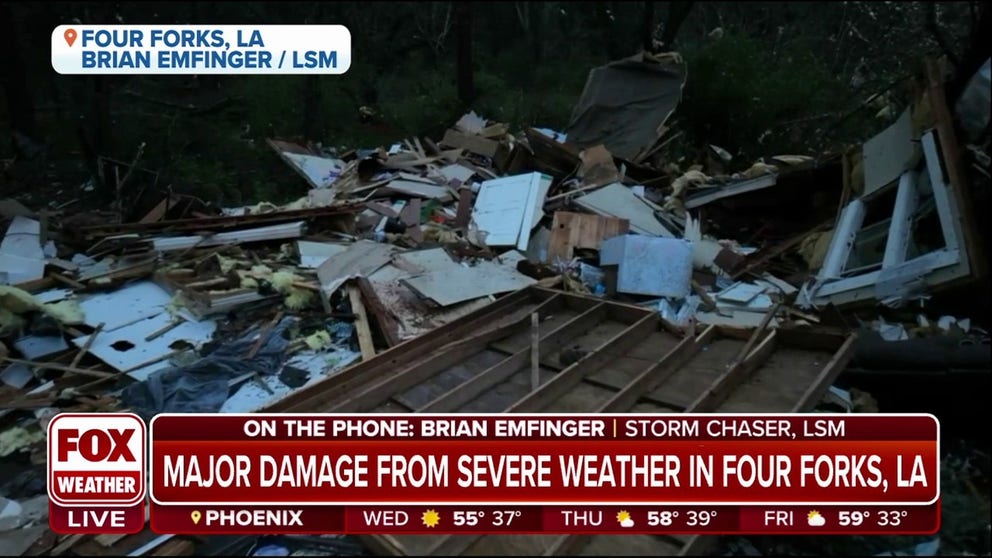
column 594, row 356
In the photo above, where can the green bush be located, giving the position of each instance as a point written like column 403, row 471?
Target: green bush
column 740, row 89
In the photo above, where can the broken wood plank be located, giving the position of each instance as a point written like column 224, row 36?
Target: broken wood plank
column 86, row 346
column 814, row 393
column 162, row 331
column 589, row 363
column 535, row 352
column 207, row 284
column 384, row 320
column 951, row 154
column 756, row 334
column 159, row 211
column 475, row 144
column 410, row 214
column 264, row 335
column 61, row 368
column 221, row 222
column 463, row 213
column 383, row 209
column 67, row 281
column 365, row 342
column 703, row 295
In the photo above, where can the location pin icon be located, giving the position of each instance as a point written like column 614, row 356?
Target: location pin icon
column 70, row 36
column 195, row 516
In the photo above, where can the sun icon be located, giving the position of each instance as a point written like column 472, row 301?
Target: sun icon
column 624, row 519
column 430, row 518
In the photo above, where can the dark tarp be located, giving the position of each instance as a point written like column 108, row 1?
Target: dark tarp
column 203, row 386
column 626, row 103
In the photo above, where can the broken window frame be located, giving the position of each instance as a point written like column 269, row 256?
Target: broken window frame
column 898, row 278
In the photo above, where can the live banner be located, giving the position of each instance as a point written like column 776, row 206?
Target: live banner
column 610, row 474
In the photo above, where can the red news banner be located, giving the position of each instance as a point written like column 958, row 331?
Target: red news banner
column 814, row 473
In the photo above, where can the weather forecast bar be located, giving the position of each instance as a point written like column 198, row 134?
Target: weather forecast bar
column 372, row 520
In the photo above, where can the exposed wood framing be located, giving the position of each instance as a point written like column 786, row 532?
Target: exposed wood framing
column 956, row 176
column 593, row 356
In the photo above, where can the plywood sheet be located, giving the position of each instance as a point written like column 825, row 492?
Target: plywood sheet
column 126, row 348
column 460, row 283
column 124, row 306
column 886, row 156
column 581, row 230
column 360, row 259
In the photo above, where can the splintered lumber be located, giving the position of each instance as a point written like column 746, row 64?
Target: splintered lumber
column 592, row 356
column 365, row 342
column 384, row 320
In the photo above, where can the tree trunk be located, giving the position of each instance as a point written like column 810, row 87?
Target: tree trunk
column 536, row 31
column 464, row 74
column 20, row 104
column 677, row 13
column 647, row 26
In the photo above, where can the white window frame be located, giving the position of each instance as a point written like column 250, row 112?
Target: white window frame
column 898, row 279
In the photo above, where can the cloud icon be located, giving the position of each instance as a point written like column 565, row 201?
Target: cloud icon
column 814, row 519
column 627, row 523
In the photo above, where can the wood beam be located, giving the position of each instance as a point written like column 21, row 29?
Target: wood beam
column 380, row 392
column 814, row 393
column 571, row 376
column 656, row 374
column 501, row 371
column 722, row 387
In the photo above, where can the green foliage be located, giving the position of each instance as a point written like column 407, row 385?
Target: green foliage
column 739, row 88
column 419, row 105
column 776, row 82
column 209, row 179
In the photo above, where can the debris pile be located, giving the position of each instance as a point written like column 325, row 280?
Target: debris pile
column 171, row 305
